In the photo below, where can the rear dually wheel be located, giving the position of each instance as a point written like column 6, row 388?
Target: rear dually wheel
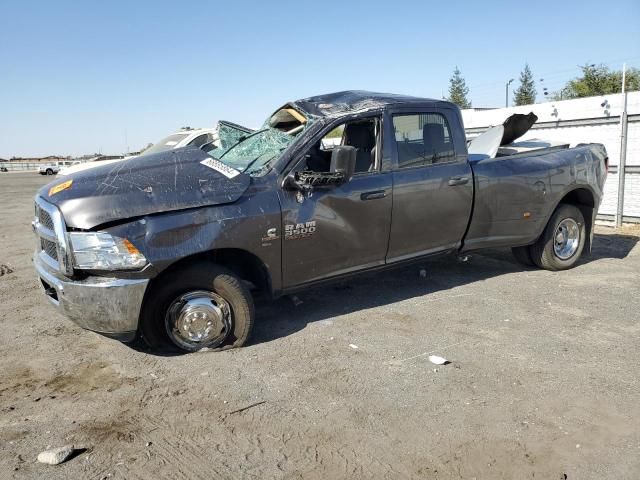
column 560, row 245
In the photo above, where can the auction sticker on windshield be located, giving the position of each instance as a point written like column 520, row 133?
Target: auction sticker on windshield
column 226, row 170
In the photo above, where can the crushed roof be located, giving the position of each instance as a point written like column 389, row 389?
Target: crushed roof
column 348, row 101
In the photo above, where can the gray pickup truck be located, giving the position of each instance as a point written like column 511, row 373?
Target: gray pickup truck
column 168, row 247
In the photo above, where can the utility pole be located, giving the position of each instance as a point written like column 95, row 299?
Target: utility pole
column 623, row 150
column 506, row 96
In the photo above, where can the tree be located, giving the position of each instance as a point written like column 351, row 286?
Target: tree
column 525, row 94
column 458, row 90
column 598, row 80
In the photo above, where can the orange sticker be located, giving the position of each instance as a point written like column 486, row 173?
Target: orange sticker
column 60, row 187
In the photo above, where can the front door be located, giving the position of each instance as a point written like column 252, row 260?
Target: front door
column 338, row 229
column 432, row 186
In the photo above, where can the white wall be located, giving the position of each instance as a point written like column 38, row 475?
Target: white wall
column 589, row 122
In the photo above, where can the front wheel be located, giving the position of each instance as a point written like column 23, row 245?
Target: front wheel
column 562, row 241
column 200, row 306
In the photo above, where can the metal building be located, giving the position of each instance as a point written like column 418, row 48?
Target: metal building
column 584, row 120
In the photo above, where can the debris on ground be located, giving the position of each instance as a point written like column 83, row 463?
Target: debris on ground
column 247, row 407
column 5, row 270
column 55, row 456
column 436, row 360
column 423, row 273
column 355, row 347
column 296, row 300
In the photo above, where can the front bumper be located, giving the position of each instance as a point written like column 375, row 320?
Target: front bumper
column 110, row 306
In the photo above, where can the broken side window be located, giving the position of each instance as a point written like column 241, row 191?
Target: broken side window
column 361, row 134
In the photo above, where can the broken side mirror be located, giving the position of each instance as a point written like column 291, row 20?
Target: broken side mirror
column 291, row 182
column 343, row 165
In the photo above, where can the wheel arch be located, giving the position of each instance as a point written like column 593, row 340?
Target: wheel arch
column 583, row 199
column 244, row 264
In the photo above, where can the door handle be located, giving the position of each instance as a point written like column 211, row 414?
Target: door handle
column 453, row 181
column 373, row 195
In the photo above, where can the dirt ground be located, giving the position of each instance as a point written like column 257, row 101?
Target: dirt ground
column 543, row 381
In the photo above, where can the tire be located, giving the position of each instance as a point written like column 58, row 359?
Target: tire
column 523, row 255
column 158, row 323
column 49, row 171
column 547, row 252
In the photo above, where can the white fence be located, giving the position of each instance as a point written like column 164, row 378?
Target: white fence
column 21, row 166
column 585, row 120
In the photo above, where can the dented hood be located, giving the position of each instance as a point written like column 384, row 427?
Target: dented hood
column 166, row 181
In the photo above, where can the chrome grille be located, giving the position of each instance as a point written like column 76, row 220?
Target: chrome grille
column 49, row 227
column 44, row 218
column 49, row 247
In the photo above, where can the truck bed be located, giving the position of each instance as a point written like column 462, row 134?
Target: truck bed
column 515, row 195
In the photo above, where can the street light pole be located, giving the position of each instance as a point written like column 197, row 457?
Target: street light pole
column 506, row 95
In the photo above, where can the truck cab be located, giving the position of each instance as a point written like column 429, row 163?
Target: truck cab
column 407, row 159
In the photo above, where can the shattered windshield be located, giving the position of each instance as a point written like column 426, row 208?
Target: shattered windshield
column 254, row 153
column 230, row 133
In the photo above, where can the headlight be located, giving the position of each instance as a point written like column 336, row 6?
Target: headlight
column 101, row 251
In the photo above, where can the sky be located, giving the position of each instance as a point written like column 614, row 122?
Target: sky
column 110, row 77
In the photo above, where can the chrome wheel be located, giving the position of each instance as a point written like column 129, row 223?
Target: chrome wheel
column 566, row 239
column 198, row 319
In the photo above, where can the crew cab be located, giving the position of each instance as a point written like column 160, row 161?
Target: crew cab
column 169, row 249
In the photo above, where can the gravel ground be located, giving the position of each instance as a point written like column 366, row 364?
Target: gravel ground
column 542, row 382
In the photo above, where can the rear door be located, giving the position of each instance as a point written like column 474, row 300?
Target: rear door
column 432, row 183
